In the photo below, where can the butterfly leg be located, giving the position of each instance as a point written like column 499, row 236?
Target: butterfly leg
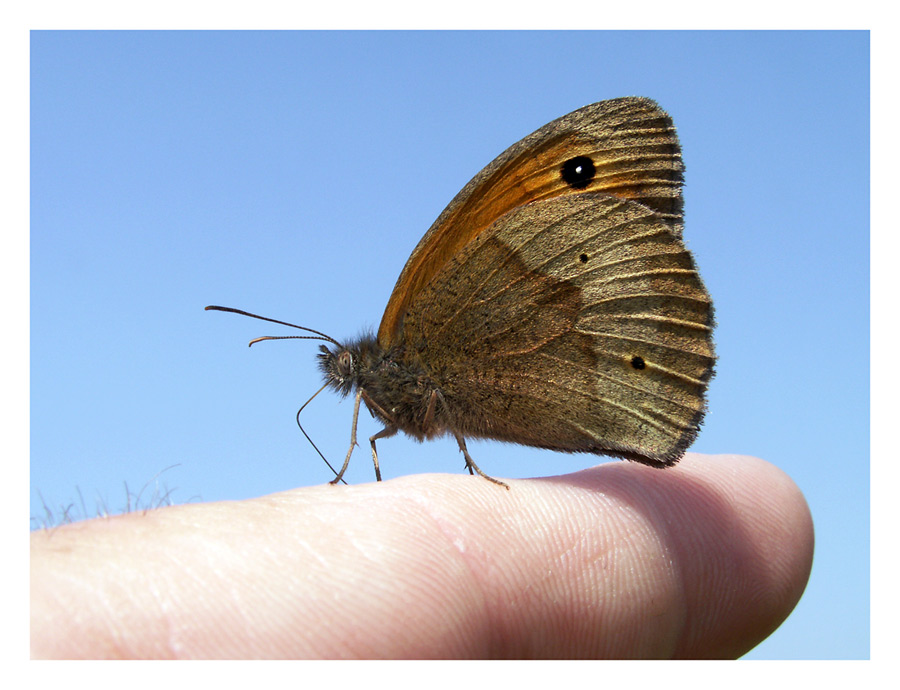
column 470, row 463
column 387, row 432
column 353, row 443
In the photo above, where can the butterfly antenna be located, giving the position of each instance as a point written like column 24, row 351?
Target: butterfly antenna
column 318, row 335
column 309, row 439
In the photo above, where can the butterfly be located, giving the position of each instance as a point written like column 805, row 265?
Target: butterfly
column 553, row 303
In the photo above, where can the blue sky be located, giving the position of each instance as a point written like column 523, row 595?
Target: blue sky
column 291, row 174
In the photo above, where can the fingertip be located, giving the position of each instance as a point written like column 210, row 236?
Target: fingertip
column 759, row 537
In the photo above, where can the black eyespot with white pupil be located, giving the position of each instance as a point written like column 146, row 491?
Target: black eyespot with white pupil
column 638, row 362
column 578, row 172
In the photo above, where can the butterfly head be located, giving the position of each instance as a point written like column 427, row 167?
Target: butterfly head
column 344, row 366
column 339, row 367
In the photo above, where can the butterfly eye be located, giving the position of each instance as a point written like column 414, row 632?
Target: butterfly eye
column 578, row 172
column 345, row 363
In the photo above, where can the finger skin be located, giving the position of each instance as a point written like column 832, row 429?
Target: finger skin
column 703, row 560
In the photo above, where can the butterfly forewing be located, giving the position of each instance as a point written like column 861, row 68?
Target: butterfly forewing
column 624, row 147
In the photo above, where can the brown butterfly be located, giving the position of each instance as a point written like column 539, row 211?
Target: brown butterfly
column 553, row 303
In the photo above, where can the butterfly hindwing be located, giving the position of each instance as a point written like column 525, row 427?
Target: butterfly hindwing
column 577, row 322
